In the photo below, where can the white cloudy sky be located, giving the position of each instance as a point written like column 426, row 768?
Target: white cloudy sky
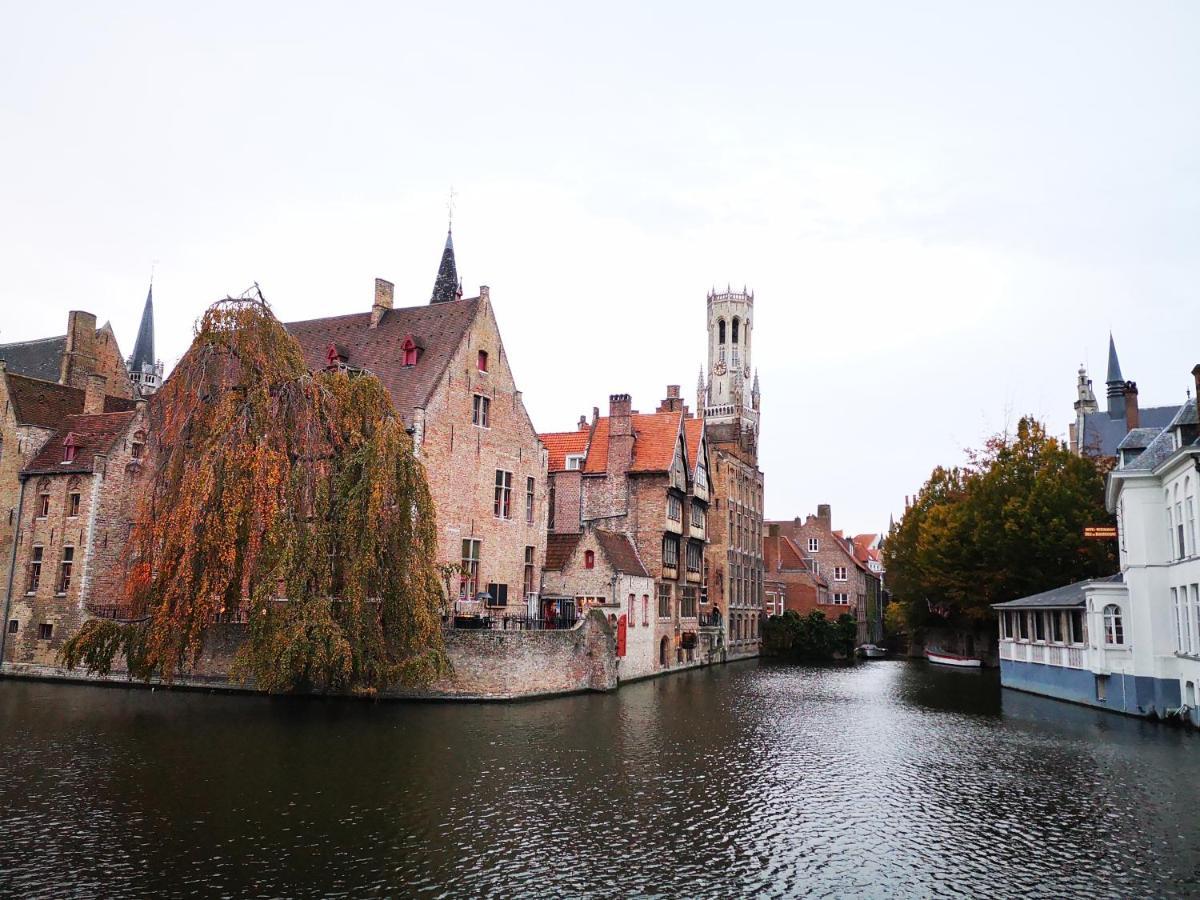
column 942, row 207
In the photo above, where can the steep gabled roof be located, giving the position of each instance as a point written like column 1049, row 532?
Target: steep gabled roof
column 90, row 435
column 559, row 548
column 693, row 430
column 564, row 443
column 1102, row 433
column 143, row 347
column 46, row 403
column 621, row 553
column 1138, row 439
column 655, row 437
column 41, row 359
column 378, row 350
column 1163, row 446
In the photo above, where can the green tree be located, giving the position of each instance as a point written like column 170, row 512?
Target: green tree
column 1008, row 524
column 810, row 637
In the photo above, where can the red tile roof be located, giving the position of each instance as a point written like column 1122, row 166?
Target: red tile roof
column 654, row 438
column 440, row 326
column 90, row 434
column 561, row 443
column 46, row 404
column 693, row 430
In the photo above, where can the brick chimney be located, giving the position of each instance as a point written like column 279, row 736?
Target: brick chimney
column 620, row 434
column 93, row 395
column 673, row 402
column 79, row 360
column 1131, row 406
column 583, row 423
column 384, row 291
column 825, row 516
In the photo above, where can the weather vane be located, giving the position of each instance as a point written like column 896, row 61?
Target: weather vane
column 450, row 208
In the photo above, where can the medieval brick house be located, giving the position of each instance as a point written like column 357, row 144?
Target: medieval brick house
column 644, row 477
column 445, row 367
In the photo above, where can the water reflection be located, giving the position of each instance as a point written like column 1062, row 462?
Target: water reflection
column 885, row 779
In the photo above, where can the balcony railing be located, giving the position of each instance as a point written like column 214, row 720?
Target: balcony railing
column 1062, row 655
column 511, row 623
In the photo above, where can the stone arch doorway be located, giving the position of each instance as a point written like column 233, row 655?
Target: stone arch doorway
column 664, row 652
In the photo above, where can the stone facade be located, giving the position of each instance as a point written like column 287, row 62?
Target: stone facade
column 73, row 520
column 731, row 412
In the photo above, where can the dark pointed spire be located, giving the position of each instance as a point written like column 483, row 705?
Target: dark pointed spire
column 1115, row 382
column 143, row 347
column 445, row 286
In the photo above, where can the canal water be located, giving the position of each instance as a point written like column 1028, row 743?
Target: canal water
column 889, row 779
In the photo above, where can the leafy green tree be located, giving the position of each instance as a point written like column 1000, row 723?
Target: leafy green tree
column 810, row 637
column 1008, row 524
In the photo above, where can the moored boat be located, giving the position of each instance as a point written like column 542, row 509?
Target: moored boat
column 870, row 651
column 952, row 659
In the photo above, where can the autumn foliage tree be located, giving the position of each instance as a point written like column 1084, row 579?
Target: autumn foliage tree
column 1007, row 524
column 287, row 500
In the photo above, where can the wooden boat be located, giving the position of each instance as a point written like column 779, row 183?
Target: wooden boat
column 870, row 651
column 952, row 659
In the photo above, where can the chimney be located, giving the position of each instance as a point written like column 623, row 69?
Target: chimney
column 583, row 423
column 620, row 434
column 485, row 292
column 79, row 360
column 673, row 402
column 1131, row 406
column 773, row 530
column 93, row 395
column 825, row 516
column 383, row 300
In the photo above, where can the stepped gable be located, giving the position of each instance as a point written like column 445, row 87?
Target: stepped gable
column 438, row 327
column 46, row 403
column 90, row 435
column 654, row 437
column 41, row 359
column 621, row 553
column 560, row 444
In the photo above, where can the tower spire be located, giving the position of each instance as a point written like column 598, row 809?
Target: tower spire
column 144, row 370
column 1115, row 382
column 445, row 286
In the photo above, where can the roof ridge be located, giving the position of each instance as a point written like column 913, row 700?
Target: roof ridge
column 57, row 337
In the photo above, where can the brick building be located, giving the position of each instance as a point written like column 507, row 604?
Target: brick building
column 791, row 577
column 731, row 423
column 445, row 367
column 646, row 477
column 74, row 511
column 853, row 587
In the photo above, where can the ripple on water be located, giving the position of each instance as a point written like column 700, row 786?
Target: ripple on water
column 887, row 779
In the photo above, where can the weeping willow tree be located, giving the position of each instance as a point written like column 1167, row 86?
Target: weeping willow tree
column 287, row 500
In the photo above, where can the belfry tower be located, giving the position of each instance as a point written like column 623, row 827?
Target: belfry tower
column 729, row 402
column 730, row 398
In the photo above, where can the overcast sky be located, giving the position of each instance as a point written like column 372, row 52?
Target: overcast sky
column 942, row 208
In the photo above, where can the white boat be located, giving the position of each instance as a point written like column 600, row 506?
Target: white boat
column 952, row 659
column 870, row 651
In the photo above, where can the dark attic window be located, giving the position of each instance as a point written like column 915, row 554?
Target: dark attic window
column 69, row 448
column 482, row 365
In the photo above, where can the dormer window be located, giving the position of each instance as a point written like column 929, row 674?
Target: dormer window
column 482, row 362
column 409, row 352
column 335, row 356
column 69, row 448
column 574, row 462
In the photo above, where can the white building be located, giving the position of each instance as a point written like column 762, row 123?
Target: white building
column 1130, row 643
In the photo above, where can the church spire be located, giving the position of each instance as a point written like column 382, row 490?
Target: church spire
column 1115, row 382
column 143, row 347
column 446, row 285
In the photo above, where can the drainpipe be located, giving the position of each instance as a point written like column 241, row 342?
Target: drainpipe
column 12, row 567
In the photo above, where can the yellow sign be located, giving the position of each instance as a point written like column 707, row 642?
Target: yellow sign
column 1100, row 532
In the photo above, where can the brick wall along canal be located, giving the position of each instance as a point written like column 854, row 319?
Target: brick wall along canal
column 887, row 779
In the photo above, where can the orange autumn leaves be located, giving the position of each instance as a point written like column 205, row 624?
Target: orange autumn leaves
column 288, row 501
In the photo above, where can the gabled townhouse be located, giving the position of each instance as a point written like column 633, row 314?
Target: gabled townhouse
column 72, row 521
column 1128, row 643
column 643, row 478
column 449, row 377
column 795, row 585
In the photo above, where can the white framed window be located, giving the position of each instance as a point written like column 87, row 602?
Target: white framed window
column 814, row 545
column 1114, row 627
column 839, row 573
column 841, row 599
column 503, row 501
column 574, row 462
column 481, row 411
column 470, row 569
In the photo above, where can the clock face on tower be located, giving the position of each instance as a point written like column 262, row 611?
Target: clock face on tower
column 719, row 368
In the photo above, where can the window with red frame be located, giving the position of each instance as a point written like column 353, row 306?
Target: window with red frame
column 409, row 352
column 589, row 559
column 482, row 365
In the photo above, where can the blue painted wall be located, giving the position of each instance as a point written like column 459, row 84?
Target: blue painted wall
column 1138, row 695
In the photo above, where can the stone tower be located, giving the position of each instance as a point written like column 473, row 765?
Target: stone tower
column 731, row 396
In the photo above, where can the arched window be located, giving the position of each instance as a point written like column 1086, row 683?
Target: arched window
column 736, row 323
column 1114, row 629
column 589, row 559
column 720, row 331
column 664, row 653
